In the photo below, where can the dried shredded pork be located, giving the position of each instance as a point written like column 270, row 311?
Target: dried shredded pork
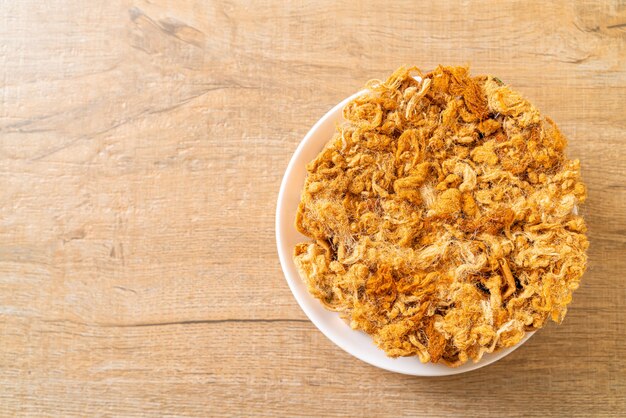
column 441, row 217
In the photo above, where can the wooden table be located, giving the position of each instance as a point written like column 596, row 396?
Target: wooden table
column 141, row 150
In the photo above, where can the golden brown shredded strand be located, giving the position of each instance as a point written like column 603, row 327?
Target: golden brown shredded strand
column 441, row 217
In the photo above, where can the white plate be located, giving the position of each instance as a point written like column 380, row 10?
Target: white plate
column 357, row 343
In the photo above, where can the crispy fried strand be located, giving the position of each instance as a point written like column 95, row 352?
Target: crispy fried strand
column 441, row 217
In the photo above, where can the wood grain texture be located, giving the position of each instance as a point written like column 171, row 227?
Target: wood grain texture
column 141, row 149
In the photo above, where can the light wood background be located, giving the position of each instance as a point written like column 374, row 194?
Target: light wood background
column 142, row 144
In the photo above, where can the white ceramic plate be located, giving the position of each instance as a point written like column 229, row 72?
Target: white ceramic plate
column 357, row 343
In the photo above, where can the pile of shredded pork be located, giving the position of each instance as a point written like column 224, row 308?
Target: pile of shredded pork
column 442, row 217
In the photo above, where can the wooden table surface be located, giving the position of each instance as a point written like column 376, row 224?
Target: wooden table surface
column 141, row 150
